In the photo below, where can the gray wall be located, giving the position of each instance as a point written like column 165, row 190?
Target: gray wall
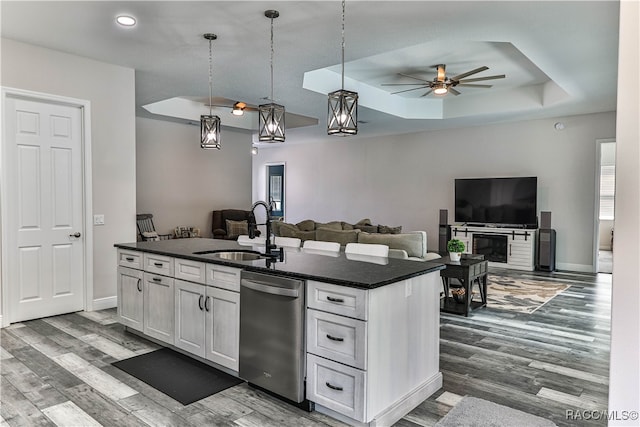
column 405, row 179
column 180, row 183
column 111, row 91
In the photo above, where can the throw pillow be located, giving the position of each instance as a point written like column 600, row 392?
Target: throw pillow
column 385, row 229
column 367, row 228
column 341, row 236
column 292, row 231
column 236, row 228
column 306, row 225
column 346, row 226
column 365, row 221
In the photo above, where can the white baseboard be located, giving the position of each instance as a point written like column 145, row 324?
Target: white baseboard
column 581, row 268
column 104, row 303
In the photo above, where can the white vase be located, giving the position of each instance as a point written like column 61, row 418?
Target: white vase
column 455, row 256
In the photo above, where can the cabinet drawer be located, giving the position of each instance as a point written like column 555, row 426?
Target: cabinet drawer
column 158, row 264
column 336, row 299
column 223, row 277
column 336, row 386
column 131, row 259
column 193, row 271
column 338, row 338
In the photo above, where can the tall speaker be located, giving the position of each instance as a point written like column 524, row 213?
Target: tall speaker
column 444, row 231
column 546, row 250
column 545, row 220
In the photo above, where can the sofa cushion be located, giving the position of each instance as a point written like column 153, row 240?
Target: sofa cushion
column 290, row 230
column 333, row 225
column 385, row 229
column 364, row 221
column 236, row 228
column 341, row 236
column 413, row 243
column 306, row 225
column 346, row 226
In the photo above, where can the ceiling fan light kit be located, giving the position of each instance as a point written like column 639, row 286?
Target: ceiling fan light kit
column 238, row 108
column 271, row 116
column 342, row 116
column 210, row 124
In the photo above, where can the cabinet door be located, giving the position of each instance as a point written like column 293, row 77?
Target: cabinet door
column 520, row 252
column 223, row 327
column 130, row 297
column 189, row 317
column 158, row 307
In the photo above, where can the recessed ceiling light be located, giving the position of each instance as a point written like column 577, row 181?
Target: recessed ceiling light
column 126, row 21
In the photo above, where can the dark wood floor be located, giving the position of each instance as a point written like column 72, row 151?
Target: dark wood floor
column 57, row 371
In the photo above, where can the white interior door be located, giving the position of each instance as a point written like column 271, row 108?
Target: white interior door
column 44, row 208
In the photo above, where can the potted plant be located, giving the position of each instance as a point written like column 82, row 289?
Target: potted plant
column 455, row 248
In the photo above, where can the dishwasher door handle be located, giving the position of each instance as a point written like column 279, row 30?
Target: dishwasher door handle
column 268, row 289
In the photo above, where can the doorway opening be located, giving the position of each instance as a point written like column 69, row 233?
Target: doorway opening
column 605, row 197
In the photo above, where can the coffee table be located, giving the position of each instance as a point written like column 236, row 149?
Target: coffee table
column 471, row 269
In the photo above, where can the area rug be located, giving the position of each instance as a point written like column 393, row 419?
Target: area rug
column 474, row 412
column 523, row 296
column 176, row 375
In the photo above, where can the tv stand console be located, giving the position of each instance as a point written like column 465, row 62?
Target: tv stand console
column 503, row 247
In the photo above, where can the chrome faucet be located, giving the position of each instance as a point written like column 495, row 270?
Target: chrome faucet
column 271, row 250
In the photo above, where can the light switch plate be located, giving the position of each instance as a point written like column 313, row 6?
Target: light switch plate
column 98, row 220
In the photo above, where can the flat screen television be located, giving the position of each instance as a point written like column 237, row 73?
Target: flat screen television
column 497, row 201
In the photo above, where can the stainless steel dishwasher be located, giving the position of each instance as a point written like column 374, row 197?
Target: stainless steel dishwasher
column 272, row 334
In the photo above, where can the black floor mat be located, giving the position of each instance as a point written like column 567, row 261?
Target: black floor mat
column 176, row 375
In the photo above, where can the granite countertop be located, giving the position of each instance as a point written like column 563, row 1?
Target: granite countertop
column 340, row 269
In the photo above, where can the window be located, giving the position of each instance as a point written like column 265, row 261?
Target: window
column 275, row 188
column 607, row 191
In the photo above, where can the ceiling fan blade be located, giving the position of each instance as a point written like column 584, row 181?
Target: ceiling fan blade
column 453, row 91
column 473, row 85
column 426, row 93
column 401, row 84
column 479, row 79
column 468, row 73
column 412, row 77
column 408, row 90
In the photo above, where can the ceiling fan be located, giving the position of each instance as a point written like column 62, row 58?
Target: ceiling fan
column 441, row 85
column 237, row 107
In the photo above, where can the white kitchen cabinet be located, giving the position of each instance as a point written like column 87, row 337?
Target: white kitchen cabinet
column 207, row 322
column 370, row 355
column 158, row 307
column 189, row 317
column 130, row 298
column 222, row 329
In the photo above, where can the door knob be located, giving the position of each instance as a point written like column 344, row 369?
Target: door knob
column 76, row 234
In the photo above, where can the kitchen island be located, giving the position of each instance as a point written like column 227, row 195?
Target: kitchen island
column 384, row 311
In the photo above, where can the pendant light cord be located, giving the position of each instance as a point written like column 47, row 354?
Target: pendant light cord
column 343, row 7
column 272, row 60
column 210, row 78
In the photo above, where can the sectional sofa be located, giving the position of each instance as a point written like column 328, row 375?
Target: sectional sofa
column 410, row 245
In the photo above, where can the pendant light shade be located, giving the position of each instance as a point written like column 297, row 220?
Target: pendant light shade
column 210, row 124
column 271, row 116
column 342, row 115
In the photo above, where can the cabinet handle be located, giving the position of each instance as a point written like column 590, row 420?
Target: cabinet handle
column 510, row 249
column 200, row 303
column 335, row 338
column 158, row 264
column 206, row 303
column 138, row 285
column 157, row 279
column 130, row 259
column 332, row 299
column 333, row 387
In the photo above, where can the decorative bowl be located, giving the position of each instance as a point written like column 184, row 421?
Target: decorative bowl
column 459, row 295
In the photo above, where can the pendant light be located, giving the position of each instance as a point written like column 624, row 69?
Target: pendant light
column 271, row 116
column 210, row 125
column 342, row 117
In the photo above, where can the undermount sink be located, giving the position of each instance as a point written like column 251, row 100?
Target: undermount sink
column 233, row 255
